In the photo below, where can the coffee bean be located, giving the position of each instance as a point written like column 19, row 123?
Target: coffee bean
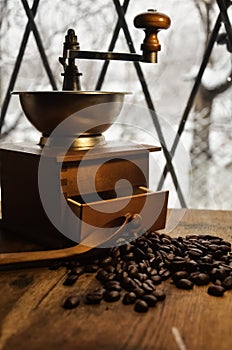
column 141, row 306
column 107, row 261
column 206, row 267
column 94, row 297
column 151, row 271
column 113, row 285
column 184, row 284
column 138, row 282
column 149, row 250
column 164, row 236
column 218, row 273
column 79, row 270
column 156, row 280
column 177, row 265
column 110, row 277
column 131, row 265
column 129, row 298
column 139, row 253
column 71, row 302
column 227, row 283
column 116, row 253
column 227, row 268
column 143, row 266
column 216, row 291
column 226, row 243
column 191, row 236
column 178, row 248
column 141, row 276
column 111, row 296
column 200, row 279
column 155, row 261
column 69, row 264
column 213, row 247
column 109, row 268
column 164, row 274
column 150, row 299
column 91, row 268
column 128, row 283
column 224, row 258
column 200, row 246
column 132, row 270
column 159, row 294
column 213, row 239
column 207, row 259
column 165, row 248
column 118, row 266
column 129, row 256
column 70, row 280
column 119, row 275
column 101, row 275
column 148, row 287
column 124, row 264
column 191, row 266
column 180, row 275
column 195, row 253
column 139, row 291
column 126, row 248
column 166, row 241
column 217, row 282
column 170, row 257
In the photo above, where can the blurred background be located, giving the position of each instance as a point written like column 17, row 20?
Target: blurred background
column 203, row 160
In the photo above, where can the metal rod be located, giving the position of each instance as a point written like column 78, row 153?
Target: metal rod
column 192, row 96
column 225, row 19
column 149, row 102
column 97, row 55
column 17, row 65
column 39, row 43
column 111, row 48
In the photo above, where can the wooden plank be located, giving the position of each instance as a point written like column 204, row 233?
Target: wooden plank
column 215, row 222
column 107, row 151
column 32, row 317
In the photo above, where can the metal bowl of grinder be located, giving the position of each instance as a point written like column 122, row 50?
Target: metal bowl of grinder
column 93, row 112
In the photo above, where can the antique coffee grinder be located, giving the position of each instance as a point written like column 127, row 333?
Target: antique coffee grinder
column 80, row 170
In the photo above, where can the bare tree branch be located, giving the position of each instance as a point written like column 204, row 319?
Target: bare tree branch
column 198, row 7
column 12, row 127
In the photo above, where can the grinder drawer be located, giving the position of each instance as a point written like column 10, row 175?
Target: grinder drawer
column 96, row 210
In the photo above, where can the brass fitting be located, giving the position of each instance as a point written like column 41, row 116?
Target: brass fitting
column 71, row 74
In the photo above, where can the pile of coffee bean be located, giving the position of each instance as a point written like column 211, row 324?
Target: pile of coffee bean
column 133, row 270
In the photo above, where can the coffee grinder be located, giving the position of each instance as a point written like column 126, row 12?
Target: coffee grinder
column 88, row 159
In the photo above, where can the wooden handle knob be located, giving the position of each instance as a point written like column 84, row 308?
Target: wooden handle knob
column 151, row 22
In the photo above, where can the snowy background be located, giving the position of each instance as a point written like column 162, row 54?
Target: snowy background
column 203, row 160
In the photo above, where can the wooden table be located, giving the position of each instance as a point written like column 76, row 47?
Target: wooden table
column 32, row 317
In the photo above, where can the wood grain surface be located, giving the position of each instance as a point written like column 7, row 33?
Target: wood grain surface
column 32, row 317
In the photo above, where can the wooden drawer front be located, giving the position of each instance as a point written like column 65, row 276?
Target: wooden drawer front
column 152, row 206
column 103, row 177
